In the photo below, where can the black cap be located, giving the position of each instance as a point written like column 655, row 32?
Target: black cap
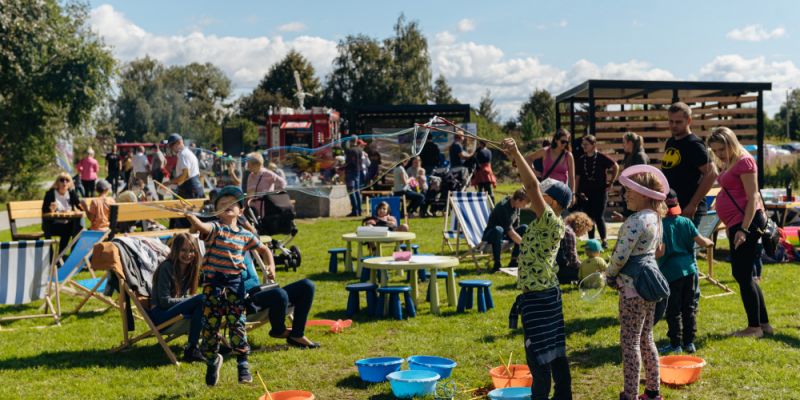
column 173, row 138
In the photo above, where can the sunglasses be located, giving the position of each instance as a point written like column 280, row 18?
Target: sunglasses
column 564, row 141
column 65, row 180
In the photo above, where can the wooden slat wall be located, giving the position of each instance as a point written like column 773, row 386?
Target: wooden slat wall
column 616, row 116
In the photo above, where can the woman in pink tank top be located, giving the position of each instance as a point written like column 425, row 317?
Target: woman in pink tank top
column 557, row 161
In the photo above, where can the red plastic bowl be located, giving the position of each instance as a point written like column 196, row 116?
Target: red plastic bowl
column 289, row 395
column 520, row 376
column 680, row 370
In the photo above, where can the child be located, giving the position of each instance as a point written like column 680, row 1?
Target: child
column 99, row 209
column 593, row 262
column 577, row 225
column 540, row 303
column 639, row 239
column 383, row 217
column 679, row 266
column 422, row 180
column 223, row 288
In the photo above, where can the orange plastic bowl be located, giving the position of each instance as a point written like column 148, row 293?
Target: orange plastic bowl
column 680, row 370
column 520, row 376
column 289, row 395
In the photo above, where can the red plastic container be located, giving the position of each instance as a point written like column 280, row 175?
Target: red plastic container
column 289, row 395
column 680, row 370
column 520, row 376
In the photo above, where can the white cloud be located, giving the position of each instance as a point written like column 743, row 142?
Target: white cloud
column 244, row 60
column 562, row 23
column 466, row 25
column 292, row 27
column 755, row 33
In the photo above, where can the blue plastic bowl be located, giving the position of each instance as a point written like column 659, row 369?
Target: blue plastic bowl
column 375, row 369
column 413, row 382
column 440, row 365
column 512, row 393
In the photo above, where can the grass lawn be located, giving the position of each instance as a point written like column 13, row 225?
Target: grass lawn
column 72, row 361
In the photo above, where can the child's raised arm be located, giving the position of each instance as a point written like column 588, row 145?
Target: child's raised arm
column 203, row 227
column 526, row 176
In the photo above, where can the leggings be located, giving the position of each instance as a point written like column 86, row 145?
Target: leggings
column 742, row 261
column 224, row 304
column 638, row 347
column 595, row 206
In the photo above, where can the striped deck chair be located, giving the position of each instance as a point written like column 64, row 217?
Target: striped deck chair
column 79, row 258
column 26, row 274
column 708, row 227
column 470, row 214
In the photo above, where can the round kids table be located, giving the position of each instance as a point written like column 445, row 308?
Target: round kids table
column 413, row 265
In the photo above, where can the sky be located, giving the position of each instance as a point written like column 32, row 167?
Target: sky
column 510, row 48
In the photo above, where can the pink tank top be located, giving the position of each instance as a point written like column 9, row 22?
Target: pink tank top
column 560, row 172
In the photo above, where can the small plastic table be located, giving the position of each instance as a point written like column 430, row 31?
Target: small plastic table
column 414, row 265
column 393, row 237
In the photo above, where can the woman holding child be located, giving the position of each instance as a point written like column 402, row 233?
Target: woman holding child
column 741, row 210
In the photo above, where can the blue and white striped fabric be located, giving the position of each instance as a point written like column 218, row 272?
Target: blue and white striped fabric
column 471, row 210
column 24, row 270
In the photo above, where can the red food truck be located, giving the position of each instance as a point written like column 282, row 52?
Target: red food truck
column 300, row 128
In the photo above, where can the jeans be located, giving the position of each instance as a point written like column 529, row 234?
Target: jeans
column 353, row 185
column 415, row 200
column 556, row 371
column 495, row 238
column 742, row 261
column 191, row 308
column 300, row 294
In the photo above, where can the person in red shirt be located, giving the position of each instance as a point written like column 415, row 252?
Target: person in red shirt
column 87, row 169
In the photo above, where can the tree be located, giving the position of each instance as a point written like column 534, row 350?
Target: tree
column 442, row 93
column 278, row 88
column 790, row 108
column 486, row 107
column 54, row 71
column 411, row 66
column 537, row 115
column 360, row 74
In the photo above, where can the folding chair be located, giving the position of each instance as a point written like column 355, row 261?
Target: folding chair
column 26, row 274
column 471, row 212
column 397, row 204
column 708, row 227
column 79, row 258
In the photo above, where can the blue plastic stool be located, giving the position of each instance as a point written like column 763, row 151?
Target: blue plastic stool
column 439, row 275
column 333, row 264
column 365, row 271
column 484, row 300
column 414, row 248
column 353, row 300
column 394, row 301
column 422, row 274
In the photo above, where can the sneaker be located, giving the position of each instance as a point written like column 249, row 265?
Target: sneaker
column 689, row 348
column 670, row 349
column 193, row 354
column 212, row 370
column 244, row 373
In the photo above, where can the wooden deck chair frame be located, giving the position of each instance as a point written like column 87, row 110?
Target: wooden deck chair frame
column 711, row 232
column 460, row 223
column 51, row 309
column 69, row 285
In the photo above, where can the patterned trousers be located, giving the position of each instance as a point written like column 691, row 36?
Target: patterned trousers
column 224, row 305
column 638, row 347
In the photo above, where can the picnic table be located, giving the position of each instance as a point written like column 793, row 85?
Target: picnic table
column 413, row 265
column 781, row 209
column 393, row 237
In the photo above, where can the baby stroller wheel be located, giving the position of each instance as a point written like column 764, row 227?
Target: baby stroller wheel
column 293, row 258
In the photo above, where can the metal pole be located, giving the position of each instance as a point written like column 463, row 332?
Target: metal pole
column 760, row 137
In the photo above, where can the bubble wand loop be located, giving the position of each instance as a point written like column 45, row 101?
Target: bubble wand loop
column 492, row 143
column 181, row 199
column 467, row 133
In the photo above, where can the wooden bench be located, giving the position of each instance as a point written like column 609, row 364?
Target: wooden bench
column 131, row 212
column 27, row 209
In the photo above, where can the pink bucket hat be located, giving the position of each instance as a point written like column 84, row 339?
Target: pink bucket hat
column 625, row 180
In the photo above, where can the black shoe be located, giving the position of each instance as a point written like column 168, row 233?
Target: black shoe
column 513, row 264
column 291, row 342
column 244, row 373
column 225, row 350
column 193, row 354
column 212, row 370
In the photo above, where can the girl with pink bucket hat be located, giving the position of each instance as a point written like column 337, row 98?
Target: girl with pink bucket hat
column 633, row 271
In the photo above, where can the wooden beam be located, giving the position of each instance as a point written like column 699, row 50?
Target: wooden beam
column 617, row 135
column 661, row 114
column 719, row 99
column 665, row 124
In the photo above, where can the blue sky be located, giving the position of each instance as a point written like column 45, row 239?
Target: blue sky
column 510, row 47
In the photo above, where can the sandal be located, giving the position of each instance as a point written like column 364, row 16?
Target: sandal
column 294, row 343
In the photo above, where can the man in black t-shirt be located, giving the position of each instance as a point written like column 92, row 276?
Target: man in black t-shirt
column 501, row 226
column 430, row 155
column 112, row 164
column 686, row 164
column 457, row 153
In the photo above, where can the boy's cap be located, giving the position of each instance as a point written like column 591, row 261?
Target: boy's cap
column 102, row 185
column 230, row 190
column 557, row 190
column 173, row 138
column 593, row 245
column 673, row 206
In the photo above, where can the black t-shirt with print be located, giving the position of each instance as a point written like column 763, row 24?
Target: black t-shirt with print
column 681, row 165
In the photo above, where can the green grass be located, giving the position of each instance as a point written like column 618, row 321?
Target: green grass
column 72, row 361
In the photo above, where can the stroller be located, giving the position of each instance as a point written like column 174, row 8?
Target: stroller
column 442, row 182
column 278, row 219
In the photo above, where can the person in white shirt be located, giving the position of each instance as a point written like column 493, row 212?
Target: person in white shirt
column 141, row 165
column 187, row 170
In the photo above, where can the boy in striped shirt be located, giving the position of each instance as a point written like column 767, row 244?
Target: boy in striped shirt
column 223, row 288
